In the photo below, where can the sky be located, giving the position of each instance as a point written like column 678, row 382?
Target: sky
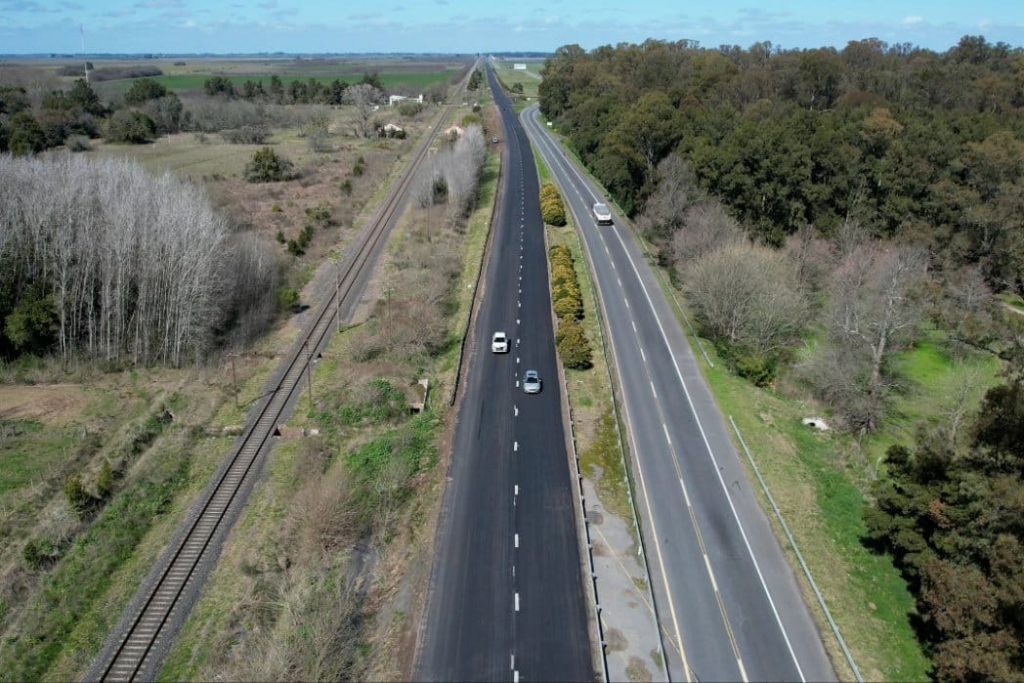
column 310, row 26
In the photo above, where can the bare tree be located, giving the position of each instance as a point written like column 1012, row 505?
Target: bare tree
column 747, row 295
column 873, row 306
column 677, row 190
column 874, row 310
column 812, row 256
column 706, row 227
column 135, row 264
column 364, row 97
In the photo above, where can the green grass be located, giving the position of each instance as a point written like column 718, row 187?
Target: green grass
column 31, row 450
column 194, row 81
column 813, row 485
column 86, row 572
column 1012, row 299
column 528, row 79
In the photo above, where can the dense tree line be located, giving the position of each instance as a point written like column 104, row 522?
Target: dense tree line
column 297, row 91
column 952, row 516
column 99, row 259
column 911, row 143
column 150, row 110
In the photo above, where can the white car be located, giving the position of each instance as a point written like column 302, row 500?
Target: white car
column 602, row 214
column 531, row 382
column 499, row 343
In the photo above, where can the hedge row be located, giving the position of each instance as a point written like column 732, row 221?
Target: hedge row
column 551, row 206
column 570, row 339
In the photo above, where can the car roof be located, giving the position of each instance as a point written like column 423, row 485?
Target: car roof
column 599, row 205
column 532, row 373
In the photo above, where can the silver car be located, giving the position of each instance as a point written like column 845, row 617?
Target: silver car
column 602, row 214
column 531, row 382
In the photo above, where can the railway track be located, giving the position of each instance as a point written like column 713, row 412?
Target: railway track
column 158, row 612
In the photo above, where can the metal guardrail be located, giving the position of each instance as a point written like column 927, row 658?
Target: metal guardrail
column 799, row 556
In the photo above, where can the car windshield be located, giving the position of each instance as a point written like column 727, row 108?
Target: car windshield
column 601, row 208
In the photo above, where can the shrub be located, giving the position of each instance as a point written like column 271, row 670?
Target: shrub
column 346, row 187
column 143, row 90
column 246, row 135
column 132, row 127
column 288, row 298
column 551, row 207
column 105, row 480
column 573, row 346
column 280, row 237
column 41, row 553
column 268, row 166
column 78, row 143
column 78, row 498
column 360, row 167
column 320, row 142
column 569, row 305
column 25, row 135
column 319, row 214
column 294, row 249
column 409, row 108
column 759, row 368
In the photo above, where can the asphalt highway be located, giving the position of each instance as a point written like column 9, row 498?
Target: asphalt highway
column 728, row 602
column 507, row 597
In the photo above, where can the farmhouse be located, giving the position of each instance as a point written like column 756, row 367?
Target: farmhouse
column 392, row 99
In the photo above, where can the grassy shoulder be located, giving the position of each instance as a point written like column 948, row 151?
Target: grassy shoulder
column 821, row 482
column 590, row 394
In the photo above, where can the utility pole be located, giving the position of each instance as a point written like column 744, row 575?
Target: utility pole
column 234, row 377
column 430, row 152
column 309, row 374
column 337, row 298
column 81, row 33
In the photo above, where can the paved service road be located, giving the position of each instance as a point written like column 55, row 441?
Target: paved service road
column 728, row 601
column 507, row 597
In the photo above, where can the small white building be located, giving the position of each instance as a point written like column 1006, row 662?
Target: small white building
column 392, row 99
column 519, row 66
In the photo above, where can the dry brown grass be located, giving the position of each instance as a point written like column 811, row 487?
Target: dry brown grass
column 53, row 404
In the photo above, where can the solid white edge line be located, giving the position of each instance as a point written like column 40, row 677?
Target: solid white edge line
column 714, row 461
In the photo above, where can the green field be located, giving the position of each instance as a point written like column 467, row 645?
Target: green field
column 530, row 79
column 194, row 81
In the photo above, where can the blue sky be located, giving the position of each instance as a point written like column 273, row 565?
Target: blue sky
column 33, row 26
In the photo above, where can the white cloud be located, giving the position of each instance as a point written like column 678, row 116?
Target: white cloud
column 910, row 21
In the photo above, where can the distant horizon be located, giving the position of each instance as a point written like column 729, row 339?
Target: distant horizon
column 176, row 27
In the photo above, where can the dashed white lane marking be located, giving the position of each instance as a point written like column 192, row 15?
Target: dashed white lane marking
column 686, row 495
column 517, row 540
column 515, row 445
column 512, row 666
column 516, row 490
column 516, row 410
column 643, row 355
column 653, row 390
column 619, row 279
column 633, row 323
column 667, row 437
column 515, row 677
column 714, row 584
column 517, row 601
